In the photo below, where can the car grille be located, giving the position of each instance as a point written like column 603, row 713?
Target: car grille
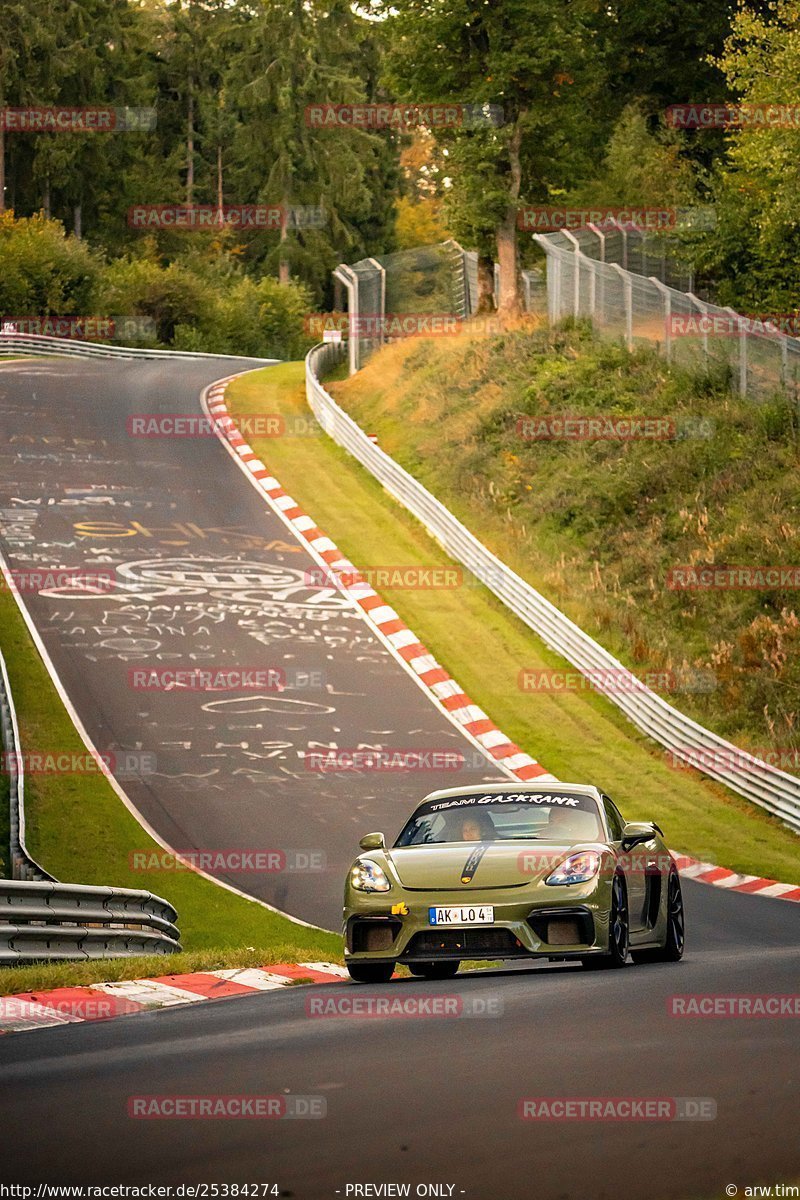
column 369, row 936
column 466, row 942
column 563, row 927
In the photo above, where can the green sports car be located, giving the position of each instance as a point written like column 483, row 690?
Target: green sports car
column 512, row 871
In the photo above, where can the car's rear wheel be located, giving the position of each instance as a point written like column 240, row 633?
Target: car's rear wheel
column 371, row 972
column 618, row 931
column 434, row 970
column 674, row 941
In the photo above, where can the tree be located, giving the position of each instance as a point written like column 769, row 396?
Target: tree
column 295, row 55
column 757, row 245
column 529, row 58
column 644, row 166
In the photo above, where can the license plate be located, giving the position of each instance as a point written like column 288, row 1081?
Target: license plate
column 475, row 914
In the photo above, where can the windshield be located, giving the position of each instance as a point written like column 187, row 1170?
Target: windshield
column 513, row 816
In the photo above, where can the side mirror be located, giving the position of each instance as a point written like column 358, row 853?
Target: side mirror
column 637, row 832
column 372, row 841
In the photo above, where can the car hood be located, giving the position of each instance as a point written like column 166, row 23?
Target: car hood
column 470, row 865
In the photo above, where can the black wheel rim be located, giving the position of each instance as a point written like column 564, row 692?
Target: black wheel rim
column 675, row 913
column 619, row 919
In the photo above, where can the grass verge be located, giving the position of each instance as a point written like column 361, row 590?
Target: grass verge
column 578, row 736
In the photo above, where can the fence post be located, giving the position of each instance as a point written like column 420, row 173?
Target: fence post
column 599, row 302
column 742, row 347
column 701, row 304
column 347, row 276
column 601, row 239
column 382, row 273
column 576, row 278
column 627, row 287
column 667, row 296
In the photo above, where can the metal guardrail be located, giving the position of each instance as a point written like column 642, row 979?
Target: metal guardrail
column 41, row 919
column 758, row 781
column 23, row 865
column 49, row 921
column 39, row 344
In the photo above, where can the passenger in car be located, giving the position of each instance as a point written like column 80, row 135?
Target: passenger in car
column 479, row 827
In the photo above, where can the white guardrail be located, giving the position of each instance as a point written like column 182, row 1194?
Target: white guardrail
column 38, row 344
column 758, row 781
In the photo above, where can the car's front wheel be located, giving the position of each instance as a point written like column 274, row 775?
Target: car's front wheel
column 370, row 972
column 674, row 939
column 434, row 970
column 618, row 930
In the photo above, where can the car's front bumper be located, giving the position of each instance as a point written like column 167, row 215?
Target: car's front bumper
column 541, row 921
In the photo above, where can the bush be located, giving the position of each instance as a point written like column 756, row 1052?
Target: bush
column 172, row 296
column 45, row 272
column 216, row 311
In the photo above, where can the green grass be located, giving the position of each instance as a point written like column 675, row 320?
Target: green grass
column 81, row 832
column 579, row 736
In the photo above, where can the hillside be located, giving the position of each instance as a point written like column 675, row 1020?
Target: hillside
column 598, row 525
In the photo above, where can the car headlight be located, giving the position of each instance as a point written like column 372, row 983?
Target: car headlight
column 367, row 876
column 578, row 868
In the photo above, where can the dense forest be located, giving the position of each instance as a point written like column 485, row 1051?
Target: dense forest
column 264, row 111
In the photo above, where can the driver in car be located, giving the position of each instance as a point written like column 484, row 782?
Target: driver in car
column 568, row 824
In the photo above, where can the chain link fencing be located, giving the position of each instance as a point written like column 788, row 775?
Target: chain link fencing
column 586, row 277
column 390, row 295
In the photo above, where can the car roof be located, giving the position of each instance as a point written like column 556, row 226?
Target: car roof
column 584, row 789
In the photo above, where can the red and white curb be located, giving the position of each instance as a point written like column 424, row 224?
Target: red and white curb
column 100, row 1001
column 406, row 646
column 395, row 634
column 751, row 885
